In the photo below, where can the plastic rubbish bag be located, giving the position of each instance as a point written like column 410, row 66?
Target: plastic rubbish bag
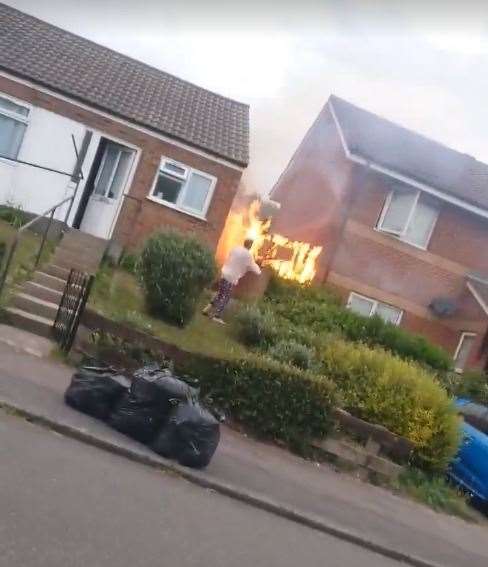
column 94, row 391
column 160, row 387
column 138, row 418
column 191, row 436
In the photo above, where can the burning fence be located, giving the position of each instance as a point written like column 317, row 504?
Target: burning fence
column 290, row 259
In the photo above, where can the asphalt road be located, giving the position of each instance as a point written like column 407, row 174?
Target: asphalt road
column 66, row 504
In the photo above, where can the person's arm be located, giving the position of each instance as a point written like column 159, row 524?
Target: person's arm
column 253, row 267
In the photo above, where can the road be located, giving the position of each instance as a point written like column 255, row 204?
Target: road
column 66, row 504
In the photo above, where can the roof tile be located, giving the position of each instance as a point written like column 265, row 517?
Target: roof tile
column 98, row 76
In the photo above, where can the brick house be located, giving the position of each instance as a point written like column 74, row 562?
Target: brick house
column 162, row 153
column 403, row 221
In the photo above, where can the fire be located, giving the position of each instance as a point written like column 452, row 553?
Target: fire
column 290, row 259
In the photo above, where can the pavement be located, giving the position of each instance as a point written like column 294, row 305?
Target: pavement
column 69, row 504
column 262, row 475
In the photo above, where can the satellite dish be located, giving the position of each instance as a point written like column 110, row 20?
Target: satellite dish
column 443, row 306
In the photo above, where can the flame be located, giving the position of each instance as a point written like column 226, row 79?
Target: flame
column 300, row 263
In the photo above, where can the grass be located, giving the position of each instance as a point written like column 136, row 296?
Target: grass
column 118, row 295
column 435, row 492
column 24, row 258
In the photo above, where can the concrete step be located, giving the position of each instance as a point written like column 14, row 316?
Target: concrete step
column 57, row 271
column 33, row 323
column 68, row 260
column 35, row 306
column 49, row 281
column 41, row 292
column 76, row 237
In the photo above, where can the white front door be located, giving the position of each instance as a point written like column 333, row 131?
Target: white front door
column 105, row 200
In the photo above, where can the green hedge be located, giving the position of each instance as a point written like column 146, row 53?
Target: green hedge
column 175, row 269
column 317, row 310
column 397, row 394
column 273, row 399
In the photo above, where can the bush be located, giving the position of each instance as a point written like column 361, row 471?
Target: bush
column 175, row 270
column 436, row 492
column 13, row 215
column 400, row 395
column 130, row 263
column 256, row 327
column 318, row 311
column 294, row 353
column 472, row 384
column 274, row 399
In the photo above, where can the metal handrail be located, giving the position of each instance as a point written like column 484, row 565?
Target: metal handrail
column 16, row 238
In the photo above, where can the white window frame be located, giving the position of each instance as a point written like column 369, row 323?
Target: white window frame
column 105, row 197
column 401, row 235
column 375, row 303
column 464, row 334
column 17, row 117
column 178, row 206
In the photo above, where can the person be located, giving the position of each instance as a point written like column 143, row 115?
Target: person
column 238, row 263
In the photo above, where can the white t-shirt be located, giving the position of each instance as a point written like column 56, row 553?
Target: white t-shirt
column 239, row 262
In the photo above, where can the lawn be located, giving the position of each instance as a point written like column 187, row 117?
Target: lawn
column 118, row 295
column 25, row 256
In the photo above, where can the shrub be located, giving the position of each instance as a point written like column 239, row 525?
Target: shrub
column 400, row 395
column 294, row 353
column 436, row 492
column 256, row 327
column 13, row 215
column 318, row 311
column 472, row 384
column 130, row 263
column 175, row 270
column 274, row 399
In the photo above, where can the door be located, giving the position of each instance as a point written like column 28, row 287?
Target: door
column 106, row 188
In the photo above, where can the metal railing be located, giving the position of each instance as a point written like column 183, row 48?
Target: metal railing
column 76, row 176
column 16, row 239
column 71, row 308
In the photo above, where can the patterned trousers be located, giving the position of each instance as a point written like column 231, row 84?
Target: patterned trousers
column 222, row 297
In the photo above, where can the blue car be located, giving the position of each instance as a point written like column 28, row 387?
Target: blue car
column 469, row 469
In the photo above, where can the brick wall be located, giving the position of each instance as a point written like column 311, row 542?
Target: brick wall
column 313, row 190
column 139, row 217
column 329, row 201
column 384, row 268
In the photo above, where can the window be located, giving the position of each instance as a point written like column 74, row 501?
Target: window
column 368, row 307
column 410, row 216
column 183, row 188
column 13, row 124
column 463, row 351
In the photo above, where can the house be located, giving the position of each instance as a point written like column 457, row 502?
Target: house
column 160, row 152
column 403, row 222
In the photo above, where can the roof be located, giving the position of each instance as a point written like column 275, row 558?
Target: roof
column 100, row 77
column 376, row 139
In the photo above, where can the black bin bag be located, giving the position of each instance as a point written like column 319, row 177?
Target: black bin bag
column 137, row 418
column 160, row 387
column 190, row 436
column 94, row 391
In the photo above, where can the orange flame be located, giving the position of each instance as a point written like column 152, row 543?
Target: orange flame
column 301, row 257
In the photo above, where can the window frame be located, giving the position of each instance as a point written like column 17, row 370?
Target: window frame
column 105, row 197
column 464, row 334
column 189, row 171
column 375, row 303
column 16, row 117
column 401, row 235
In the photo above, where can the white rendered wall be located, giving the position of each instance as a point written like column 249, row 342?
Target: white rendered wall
column 47, row 141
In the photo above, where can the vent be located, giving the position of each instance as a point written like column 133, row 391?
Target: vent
column 443, row 306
